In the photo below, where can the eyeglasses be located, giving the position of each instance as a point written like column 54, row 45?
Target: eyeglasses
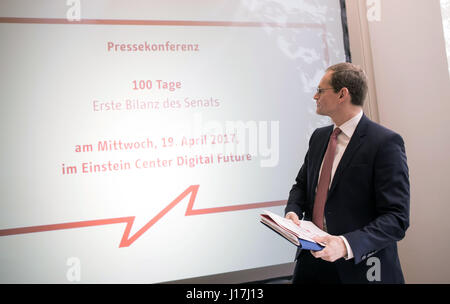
column 320, row 90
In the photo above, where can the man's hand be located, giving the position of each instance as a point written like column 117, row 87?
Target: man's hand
column 293, row 217
column 334, row 248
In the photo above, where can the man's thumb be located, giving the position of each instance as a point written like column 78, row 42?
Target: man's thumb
column 321, row 239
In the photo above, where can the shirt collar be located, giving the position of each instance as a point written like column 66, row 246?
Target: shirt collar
column 348, row 127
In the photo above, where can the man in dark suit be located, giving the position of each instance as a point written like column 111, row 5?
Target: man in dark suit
column 354, row 184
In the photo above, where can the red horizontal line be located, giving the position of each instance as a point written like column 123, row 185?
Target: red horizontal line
column 234, row 208
column 62, row 226
column 159, row 22
column 126, row 239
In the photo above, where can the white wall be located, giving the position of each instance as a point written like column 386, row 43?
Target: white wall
column 405, row 55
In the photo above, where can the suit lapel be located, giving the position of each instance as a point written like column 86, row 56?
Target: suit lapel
column 355, row 142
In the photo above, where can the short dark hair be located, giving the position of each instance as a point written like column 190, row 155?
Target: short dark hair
column 352, row 77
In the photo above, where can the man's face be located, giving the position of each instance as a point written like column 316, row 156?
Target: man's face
column 327, row 100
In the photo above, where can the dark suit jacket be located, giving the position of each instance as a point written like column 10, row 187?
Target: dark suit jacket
column 368, row 201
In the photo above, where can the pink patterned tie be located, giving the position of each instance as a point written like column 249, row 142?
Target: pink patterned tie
column 324, row 180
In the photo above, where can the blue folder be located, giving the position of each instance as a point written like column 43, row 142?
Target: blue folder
column 310, row 245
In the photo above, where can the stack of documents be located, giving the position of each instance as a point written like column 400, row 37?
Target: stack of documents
column 301, row 236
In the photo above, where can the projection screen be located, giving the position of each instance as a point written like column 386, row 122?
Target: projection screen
column 142, row 139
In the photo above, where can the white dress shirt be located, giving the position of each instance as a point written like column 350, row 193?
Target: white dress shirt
column 347, row 128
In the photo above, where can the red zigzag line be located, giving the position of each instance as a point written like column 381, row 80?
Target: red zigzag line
column 126, row 239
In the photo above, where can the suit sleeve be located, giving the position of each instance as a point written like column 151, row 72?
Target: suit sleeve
column 392, row 196
column 298, row 194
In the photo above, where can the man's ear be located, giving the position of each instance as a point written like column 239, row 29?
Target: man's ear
column 344, row 92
